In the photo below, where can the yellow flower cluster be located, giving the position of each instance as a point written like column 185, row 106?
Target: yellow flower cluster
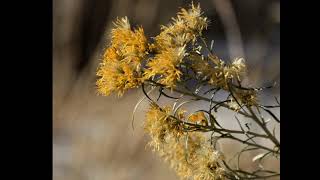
column 189, row 154
column 223, row 74
column 159, row 124
column 132, row 45
column 171, row 42
column 121, row 64
column 219, row 73
column 186, row 27
column 244, row 98
column 165, row 66
column 121, row 67
column 198, row 118
column 130, row 61
column 207, row 166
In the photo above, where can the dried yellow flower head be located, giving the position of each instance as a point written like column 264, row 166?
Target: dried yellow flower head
column 219, row 73
column 193, row 18
column 236, row 69
column 189, row 154
column 131, row 44
column 121, row 68
column 182, row 154
column 121, row 63
column 186, row 27
column 207, row 165
column 160, row 125
column 165, row 66
column 174, row 35
column 118, row 77
column 198, row 118
column 246, row 97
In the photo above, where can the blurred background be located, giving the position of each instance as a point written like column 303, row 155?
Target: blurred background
column 92, row 135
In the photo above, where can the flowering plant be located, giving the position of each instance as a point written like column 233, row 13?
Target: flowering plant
column 179, row 61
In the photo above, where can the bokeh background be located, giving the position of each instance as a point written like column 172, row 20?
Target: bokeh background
column 92, row 135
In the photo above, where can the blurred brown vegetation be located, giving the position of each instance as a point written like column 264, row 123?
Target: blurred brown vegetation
column 92, row 135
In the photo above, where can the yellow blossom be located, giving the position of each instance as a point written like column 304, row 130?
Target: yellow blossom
column 186, row 27
column 165, row 65
column 246, row 97
column 117, row 76
column 218, row 73
column 174, row 35
column 199, row 118
column 159, row 124
column 189, row 154
column 207, row 165
column 236, row 69
column 120, row 69
column 194, row 19
column 132, row 45
column 181, row 154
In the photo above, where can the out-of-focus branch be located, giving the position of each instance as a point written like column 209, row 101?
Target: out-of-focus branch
column 228, row 18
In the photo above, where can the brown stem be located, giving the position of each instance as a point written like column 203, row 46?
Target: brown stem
column 266, row 130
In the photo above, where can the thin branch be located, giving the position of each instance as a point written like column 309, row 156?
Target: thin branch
column 266, row 130
column 198, row 97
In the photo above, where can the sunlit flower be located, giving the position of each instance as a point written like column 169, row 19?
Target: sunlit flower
column 236, row 69
column 246, row 97
column 185, row 28
column 194, row 19
column 172, row 59
column 208, row 167
column 182, row 154
column 217, row 72
column 121, row 63
column 189, row 154
column 164, row 67
column 159, row 124
column 198, row 118
column 131, row 44
column 117, row 77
